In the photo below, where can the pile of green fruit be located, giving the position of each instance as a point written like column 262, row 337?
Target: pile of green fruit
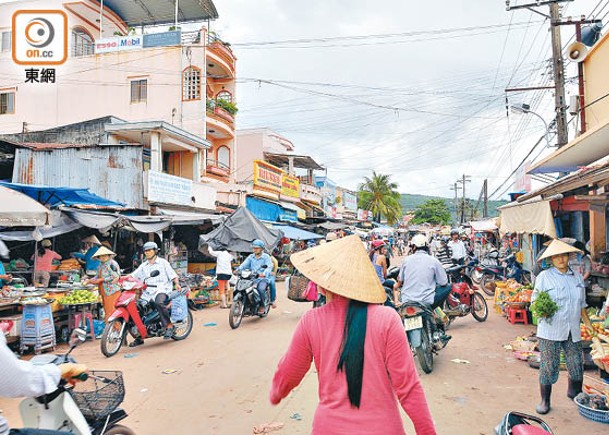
column 78, row 297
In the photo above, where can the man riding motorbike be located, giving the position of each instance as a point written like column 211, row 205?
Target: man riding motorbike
column 256, row 262
column 20, row 378
column 422, row 278
column 159, row 287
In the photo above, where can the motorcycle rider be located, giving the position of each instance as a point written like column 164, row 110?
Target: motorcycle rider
column 20, row 378
column 256, row 262
column 159, row 286
column 457, row 247
column 443, row 254
column 422, row 278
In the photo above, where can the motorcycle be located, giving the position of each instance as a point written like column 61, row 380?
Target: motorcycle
column 85, row 408
column 463, row 299
column 246, row 300
column 518, row 423
column 141, row 319
column 509, row 269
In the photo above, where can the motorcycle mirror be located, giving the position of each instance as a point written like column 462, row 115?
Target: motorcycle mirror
column 77, row 337
column 154, row 273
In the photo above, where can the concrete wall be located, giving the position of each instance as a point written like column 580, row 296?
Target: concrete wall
column 596, row 71
column 251, row 145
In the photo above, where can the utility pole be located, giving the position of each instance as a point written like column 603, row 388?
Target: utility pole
column 562, row 132
column 456, row 188
column 485, row 196
column 464, row 179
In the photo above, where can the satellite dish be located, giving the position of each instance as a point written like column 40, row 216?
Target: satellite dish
column 576, row 52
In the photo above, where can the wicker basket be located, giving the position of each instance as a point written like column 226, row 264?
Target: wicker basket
column 593, row 414
column 297, row 288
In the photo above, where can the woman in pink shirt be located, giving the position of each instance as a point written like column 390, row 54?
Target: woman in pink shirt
column 44, row 262
column 359, row 348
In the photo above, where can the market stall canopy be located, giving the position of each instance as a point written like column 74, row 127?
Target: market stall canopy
column 59, row 223
column 19, row 210
column 296, row 233
column 332, row 226
column 488, row 225
column 591, row 146
column 383, row 231
column 155, row 12
column 67, row 196
column 533, row 217
column 238, row 232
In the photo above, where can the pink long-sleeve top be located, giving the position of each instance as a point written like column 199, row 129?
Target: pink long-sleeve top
column 389, row 372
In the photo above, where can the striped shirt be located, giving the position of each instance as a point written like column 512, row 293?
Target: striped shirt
column 568, row 291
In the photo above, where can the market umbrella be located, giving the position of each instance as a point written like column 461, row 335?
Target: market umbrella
column 238, row 232
column 19, row 210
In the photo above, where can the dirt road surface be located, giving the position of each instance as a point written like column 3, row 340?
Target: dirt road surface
column 223, row 378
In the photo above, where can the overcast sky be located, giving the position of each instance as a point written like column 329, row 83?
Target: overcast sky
column 425, row 105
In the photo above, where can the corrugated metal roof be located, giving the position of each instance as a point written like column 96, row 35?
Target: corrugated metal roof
column 39, row 146
column 139, row 13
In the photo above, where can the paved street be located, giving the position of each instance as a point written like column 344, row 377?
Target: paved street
column 223, row 380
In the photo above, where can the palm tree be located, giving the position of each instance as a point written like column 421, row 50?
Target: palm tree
column 379, row 194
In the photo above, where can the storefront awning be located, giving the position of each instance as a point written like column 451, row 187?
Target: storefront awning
column 534, row 217
column 581, row 151
column 296, row 233
column 53, row 197
column 17, row 209
column 488, row 225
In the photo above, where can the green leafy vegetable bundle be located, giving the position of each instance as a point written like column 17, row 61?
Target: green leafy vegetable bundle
column 544, row 306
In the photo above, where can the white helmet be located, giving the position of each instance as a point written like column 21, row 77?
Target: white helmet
column 420, row 241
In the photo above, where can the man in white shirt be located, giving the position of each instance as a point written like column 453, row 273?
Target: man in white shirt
column 457, row 247
column 23, row 379
column 159, row 286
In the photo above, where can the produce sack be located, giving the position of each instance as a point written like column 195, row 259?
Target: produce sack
column 179, row 309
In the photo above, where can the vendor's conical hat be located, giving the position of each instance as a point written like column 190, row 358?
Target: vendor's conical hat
column 342, row 267
column 103, row 251
column 92, row 239
column 558, row 247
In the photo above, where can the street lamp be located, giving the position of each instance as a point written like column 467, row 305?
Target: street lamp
column 525, row 108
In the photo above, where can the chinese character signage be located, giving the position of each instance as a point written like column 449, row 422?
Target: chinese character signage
column 267, row 176
column 290, row 186
column 120, row 43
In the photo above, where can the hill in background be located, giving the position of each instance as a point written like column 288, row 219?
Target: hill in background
column 411, row 202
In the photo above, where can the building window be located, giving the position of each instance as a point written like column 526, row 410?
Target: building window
column 5, row 43
column 82, row 43
column 139, row 90
column 191, row 84
column 225, row 95
column 224, row 157
column 7, row 103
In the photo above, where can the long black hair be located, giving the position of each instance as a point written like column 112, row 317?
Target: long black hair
column 351, row 359
column 41, row 250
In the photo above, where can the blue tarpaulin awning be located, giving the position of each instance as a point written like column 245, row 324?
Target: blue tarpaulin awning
column 54, row 197
column 270, row 211
column 296, row 233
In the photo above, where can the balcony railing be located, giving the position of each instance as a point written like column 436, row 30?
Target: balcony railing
column 217, row 168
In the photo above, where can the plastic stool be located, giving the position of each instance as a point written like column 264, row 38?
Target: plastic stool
column 76, row 322
column 518, row 316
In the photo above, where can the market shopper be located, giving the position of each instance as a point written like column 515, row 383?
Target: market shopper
column 91, row 245
column 107, row 277
column 43, row 259
column 224, row 271
column 360, row 351
column 457, row 248
column 444, row 254
column 159, row 286
column 19, row 378
column 261, row 265
column 560, row 331
column 4, row 277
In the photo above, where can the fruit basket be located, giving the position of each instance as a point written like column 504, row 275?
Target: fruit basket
column 590, row 413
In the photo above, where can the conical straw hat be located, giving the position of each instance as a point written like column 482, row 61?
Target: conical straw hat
column 92, row 239
column 558, row 247
column 103, row 251
column 342, row 267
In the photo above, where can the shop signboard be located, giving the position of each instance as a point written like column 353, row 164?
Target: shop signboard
column 267, row 176
column 349, row 201
column 290, row 186
column 163, row 39
column 169, row 189
column 119, row 43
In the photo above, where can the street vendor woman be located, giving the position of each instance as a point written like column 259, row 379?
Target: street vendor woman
column 91, row 245
column 107, row 277
column 560, row 331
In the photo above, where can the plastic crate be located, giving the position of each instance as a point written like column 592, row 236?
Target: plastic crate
column 37, row 320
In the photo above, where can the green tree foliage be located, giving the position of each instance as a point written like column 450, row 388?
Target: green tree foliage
column 379, row 195
column 434, row 211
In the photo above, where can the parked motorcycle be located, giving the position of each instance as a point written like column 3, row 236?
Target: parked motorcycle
column 463, row 299
column 509, row 269
column 246, row 300
column 140, row 319
column 518, row 423
column 90, row 407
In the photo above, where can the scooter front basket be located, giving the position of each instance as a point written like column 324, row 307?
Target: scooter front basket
column 97, row 398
